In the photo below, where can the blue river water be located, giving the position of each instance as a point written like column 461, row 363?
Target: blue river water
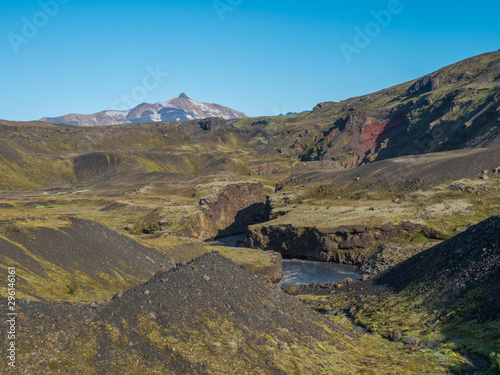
column 297, row 271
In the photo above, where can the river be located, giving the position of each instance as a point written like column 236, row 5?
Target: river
column 296, row 271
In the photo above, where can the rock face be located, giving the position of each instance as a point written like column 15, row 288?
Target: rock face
column 212, row 123
column 349, row 245
column 230, row 212
column 424, row 85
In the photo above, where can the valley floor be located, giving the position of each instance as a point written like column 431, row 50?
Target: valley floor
column 83, row 246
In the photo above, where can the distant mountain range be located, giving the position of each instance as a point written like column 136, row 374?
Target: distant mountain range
column 182, row 108
column 292, row 113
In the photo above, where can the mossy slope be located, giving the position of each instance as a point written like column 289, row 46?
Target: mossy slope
column 208, row 317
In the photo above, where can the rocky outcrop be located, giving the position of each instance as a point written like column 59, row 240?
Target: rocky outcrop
column 230, row 212
column 206, row 124
column 423, row 85
column 355, row 139
column 212, row 123
column 350, row 245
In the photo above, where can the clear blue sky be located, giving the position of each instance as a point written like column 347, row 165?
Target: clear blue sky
column 259, row 57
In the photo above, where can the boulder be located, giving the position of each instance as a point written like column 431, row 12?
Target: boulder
column 413, row 341
column 434, row 234
column 358, row 330
column 396, row 335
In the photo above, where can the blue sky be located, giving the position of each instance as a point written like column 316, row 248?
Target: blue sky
column 259, row 57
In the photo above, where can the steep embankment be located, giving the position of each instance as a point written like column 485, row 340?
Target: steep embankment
column 464, row 270
column 70, row 259
column 208, row 317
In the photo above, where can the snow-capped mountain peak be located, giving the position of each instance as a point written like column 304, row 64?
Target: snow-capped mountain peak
column 181, row 108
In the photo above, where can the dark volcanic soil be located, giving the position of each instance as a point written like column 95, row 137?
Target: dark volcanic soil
column 84, row 253
column 207, row 316
column 455, row 268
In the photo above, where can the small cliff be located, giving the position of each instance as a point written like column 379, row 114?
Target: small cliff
column 350, row 244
